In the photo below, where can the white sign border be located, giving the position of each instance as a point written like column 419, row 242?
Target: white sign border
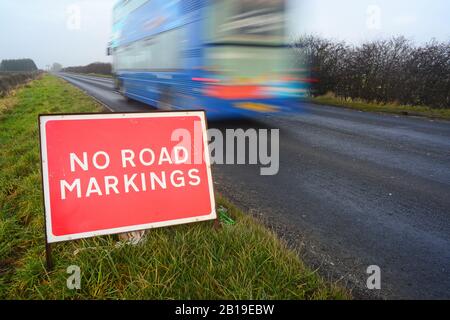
column 43, row 119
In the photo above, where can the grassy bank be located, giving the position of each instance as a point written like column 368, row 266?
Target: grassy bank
column 11, row 80
column 240, row 261
column 356, row 104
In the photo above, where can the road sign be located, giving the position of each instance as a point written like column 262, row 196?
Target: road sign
column 114, row 173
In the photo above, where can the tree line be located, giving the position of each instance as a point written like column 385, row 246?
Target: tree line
column 18, row 65
column 15, row 72
column 383, row 71
column 96, row 67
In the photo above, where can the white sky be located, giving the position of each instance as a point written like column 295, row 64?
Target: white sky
column 43, row 30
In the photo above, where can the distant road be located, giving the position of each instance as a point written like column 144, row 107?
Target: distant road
column 354, row 189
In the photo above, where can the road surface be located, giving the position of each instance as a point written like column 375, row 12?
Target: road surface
column 354, row 189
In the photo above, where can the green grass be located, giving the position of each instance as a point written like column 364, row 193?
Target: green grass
column 241, row 261
column 357, row 104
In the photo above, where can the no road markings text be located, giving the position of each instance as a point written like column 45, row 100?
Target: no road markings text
column 114, row 173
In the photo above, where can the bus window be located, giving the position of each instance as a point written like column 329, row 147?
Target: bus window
column 248, row 20
column 145, row 54
column 246, row 42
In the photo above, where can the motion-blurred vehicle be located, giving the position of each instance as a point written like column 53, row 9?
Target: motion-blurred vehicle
column 228, row 57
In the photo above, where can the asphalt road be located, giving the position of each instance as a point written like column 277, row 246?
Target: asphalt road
column 354, row 189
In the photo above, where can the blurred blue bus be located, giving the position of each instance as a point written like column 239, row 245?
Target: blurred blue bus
column 228, row 57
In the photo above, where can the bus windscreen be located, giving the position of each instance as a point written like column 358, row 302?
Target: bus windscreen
column 250, row 20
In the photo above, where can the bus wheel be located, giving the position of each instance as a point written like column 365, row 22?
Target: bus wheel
column 116, row 84
column 122, row 92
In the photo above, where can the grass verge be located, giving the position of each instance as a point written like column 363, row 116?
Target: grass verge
column 240, row 261
column 357, row 104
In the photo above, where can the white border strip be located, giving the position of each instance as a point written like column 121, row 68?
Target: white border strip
column 43, row 119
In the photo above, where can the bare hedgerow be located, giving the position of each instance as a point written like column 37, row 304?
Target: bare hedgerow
column 385, row 71
column 10, row 80
column 96, row 67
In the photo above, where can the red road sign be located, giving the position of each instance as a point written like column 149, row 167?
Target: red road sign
column 114, row 173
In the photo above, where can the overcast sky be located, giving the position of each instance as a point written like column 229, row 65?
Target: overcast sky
column 48, row 30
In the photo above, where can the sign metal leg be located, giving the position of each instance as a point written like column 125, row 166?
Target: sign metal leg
column 217, row 225
column 48, row 256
